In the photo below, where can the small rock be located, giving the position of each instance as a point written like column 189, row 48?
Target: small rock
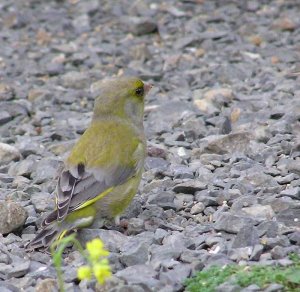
column 197, row 208
column 46, row 169
column 8, row 153
column 256, row 252
column 42, row 201
column 46, row 285
column 274, row 288
column 135, row 226
column 293, row 193
column 278, row 252
column 74, row 79
column 164, row 255
column 5, row 117
column 162, row 199
column 113, row 240
column 135, row 250
column 156, row 163
column 12, row 216
column 140, row 274
column 260, row 211
column 251, row 288
column 233, row 223
column 238, row 254
column 285, row 24
column 228, row 287
column 222, row 144
column 23, row 168
column 176, row 276
column 246, row 237
column 6, row 92
column 189, row 187
column 295, row 237
column 141, row 26
column 268, row 228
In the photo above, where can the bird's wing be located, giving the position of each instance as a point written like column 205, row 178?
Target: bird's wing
column 79, row 187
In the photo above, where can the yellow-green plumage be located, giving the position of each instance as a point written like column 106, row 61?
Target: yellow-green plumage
column 103, row 171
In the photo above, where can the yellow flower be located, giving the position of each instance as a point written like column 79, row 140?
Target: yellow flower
column 102, row 271
column 96, row 249
column 84, row 272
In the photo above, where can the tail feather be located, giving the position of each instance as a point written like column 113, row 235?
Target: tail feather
column 45, row 238
column 49, row 219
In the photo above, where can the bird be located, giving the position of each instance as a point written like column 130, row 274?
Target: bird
column 102, row 173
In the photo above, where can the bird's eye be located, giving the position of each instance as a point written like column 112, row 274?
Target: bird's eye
column 139, row 91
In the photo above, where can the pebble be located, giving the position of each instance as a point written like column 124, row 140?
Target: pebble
column 12, row 216
column 197, row 208
column 8, row 153
column 233, row 223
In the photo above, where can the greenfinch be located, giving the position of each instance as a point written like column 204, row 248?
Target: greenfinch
column 102, row 173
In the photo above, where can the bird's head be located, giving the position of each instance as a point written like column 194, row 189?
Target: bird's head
column 121, row 97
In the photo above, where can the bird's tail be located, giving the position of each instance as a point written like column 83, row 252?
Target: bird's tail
column 46, row 237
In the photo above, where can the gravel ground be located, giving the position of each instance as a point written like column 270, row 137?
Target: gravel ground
column 222, row 180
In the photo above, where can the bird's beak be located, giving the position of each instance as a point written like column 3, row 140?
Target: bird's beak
column 147, row 87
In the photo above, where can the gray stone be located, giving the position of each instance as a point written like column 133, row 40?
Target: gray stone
column 181, row 172
column 189, row 187
column 176, row 276
column 233, row 223
column 197, row 208
column 278, row 252
column 294, row 166
column 46, row 170
column 280, row 240
column 5, row 117
column 74, row 79
column 17, row 268
column 162, row 199
column 164, row 255
column 206, row 199
column 290, row 216
column 113, row 240
column 6, row 178
column 247, row 236
column 222, row 144
column 135, row 250
column 260, row 211
column 156, row 163
column 286, row 179
column 256, row 252
column 242, row 253
column 141, row 26
column 268, row 228
column 251, row 288
column 295, row 237
column 274, row 288
column 21, row 182
column 192, row 256
column 7, row 287
column 182, row 201
column 228, row 287
column 159, row 235
column 12, row 216
column 218, row 259
column 42, row 201
column 8, row 153
column 46, row 285
column 135, row 226
column 293, row 193
column 22, row 168
column 140, row 274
